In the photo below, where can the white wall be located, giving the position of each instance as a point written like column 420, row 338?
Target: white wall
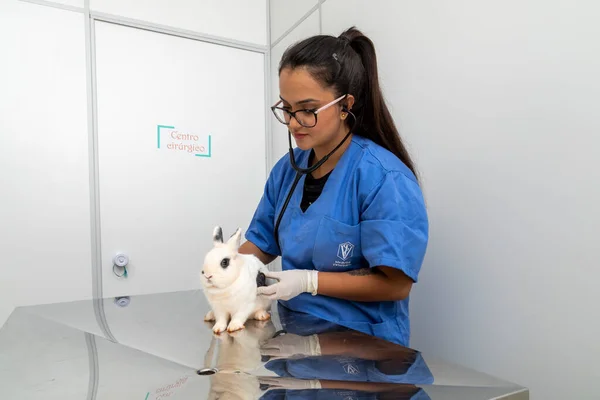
column 241, row 20
column 498, row 102
column 46, row 207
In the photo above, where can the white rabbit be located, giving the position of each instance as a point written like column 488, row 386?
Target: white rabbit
column 230, row 281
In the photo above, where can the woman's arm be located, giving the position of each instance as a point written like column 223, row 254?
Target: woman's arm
column 362, row 346
column 378, row 284
column 366, row 284
column 250, row 248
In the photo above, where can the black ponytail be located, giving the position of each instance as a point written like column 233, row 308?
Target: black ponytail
column 348, row 64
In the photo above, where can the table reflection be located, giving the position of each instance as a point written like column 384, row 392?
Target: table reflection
column 311, row 358
column 157, row 347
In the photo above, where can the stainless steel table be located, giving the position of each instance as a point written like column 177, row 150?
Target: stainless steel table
column 158, row 347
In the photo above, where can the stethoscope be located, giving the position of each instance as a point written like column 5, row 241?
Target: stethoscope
column 305, row 171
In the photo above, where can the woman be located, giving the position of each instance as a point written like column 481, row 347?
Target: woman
column 354, row 231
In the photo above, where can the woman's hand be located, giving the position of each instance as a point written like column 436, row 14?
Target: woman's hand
column 290, row 284
column 288, row 383
column 289, row 345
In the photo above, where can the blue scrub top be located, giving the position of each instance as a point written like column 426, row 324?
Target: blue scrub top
column 334, row 367
column 303, row 324
column 343, row 368
column 341, row 394
column 370, row 213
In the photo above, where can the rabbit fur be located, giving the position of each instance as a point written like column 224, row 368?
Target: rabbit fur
column 229, row 283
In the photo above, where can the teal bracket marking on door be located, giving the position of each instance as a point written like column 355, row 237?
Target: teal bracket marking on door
column 209, row 149
column 147, row 396
column 158, row 132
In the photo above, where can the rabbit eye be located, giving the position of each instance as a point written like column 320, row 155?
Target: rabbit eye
column 225, row 262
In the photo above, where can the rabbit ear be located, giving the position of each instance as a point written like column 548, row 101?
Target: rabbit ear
column 217, row 235
column 235, row 239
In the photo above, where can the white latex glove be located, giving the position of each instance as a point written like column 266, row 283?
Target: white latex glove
column 289, row 383
column 290, row 345
column 290, row 284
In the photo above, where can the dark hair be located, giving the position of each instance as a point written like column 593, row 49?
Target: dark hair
column 348, row 65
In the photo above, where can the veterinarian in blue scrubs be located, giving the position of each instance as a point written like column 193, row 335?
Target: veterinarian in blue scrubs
column 344, row 209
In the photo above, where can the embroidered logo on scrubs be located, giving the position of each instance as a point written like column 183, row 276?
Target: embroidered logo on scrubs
column 351, row 369
column 345, row 251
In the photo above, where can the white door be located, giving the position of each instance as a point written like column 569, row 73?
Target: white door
column 181, row 143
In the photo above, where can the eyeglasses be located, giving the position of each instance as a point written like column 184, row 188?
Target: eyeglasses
column 306, row 118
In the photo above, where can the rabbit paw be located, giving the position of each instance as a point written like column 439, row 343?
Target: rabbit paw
column 220, row 327
column 235, row 326
column 210, row 316
column 262, row 315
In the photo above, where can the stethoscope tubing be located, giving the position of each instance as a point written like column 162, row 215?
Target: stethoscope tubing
column 299, row 173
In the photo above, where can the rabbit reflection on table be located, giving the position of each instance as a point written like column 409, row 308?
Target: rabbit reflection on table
column 230, row 284
column 238, row 355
